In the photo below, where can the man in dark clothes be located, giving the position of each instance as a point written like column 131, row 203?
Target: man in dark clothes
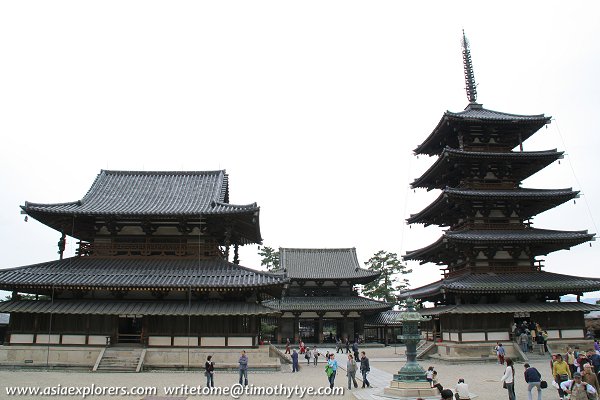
column 364, row 368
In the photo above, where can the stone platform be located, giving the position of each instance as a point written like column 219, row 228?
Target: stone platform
column 411, row 390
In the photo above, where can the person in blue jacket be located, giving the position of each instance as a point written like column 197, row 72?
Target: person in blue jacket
column 294, row 361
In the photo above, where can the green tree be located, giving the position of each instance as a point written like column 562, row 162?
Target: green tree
column 269, row 257
column 389, row 283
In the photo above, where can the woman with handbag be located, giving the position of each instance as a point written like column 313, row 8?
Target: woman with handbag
column 561, row 372
column 508, row 379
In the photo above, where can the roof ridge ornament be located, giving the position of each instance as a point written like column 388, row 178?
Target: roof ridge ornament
column 471, row 87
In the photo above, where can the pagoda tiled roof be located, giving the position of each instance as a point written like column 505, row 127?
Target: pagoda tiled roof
column 389, row 317
column 520, row 282
column 121, row 307
column 444, row 133
column 503, row 308
column 166, row 193
column 531, row 202
column 540, row 241
column 443, row 173
column 324, row 264
column 124, row 273
column 326, row 303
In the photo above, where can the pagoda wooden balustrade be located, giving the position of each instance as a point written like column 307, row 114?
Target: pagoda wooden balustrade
column 490, row 225
column 499, row 267
column 488, row 185
column 191, row 250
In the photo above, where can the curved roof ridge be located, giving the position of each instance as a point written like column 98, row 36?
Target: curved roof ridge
column 156, row 172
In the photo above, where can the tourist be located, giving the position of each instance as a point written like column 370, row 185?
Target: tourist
column 588, row 376
column 365, row 367
column 347, row 345
column 301, row 347
column 351, row 372
column 577, row 389
column 523, row 341
column 509, row 379
column 327, row 355
column 308, row 355
column 209, row 372
column 533, row 379
column 570, row 359
column 597, row 348
column 462, row 390
column 294, row 361
column 447, row 394
column 338, row 345
column 355, row 349
column 595, row 359
column 545, row 337
column 287, row 346
column 316, row 355
column 500, row 353
column 332, row 364
column 243, row 361
column 560, row 372
column 429, row 375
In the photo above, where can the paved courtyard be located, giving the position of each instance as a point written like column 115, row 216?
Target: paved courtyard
column 483, row 379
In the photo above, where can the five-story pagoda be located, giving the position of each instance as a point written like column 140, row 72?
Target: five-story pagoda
column 492, row 275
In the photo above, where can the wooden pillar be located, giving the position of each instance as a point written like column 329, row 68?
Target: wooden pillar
column 320, row 327
column 296, row 327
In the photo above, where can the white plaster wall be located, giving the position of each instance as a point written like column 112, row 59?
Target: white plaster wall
column 97, row 340
column 553, row 334
column 309, row 314
column 185, row 341
column 473, row 336
column 73, row 339
column 353, row 314
column 572, row 333
column 332, row 314
column 240, row 341
column 498, row 336
column 159, row 340
column 45, row 338
column 445, row 336
column 209, row 341
column 453, row 336
column 18, row 338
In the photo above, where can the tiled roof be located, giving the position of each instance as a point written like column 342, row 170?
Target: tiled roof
column 110, row 307
column 524, row 282
column 509, row 308
column 512, row 125
column 531, row 202
column 328, row 303
column 540, row 241
column 136, row 273
column 477, row 112
column 446, row 172
column 390, row 317
column 151, row 193
column 518, row 236
column 323, row 264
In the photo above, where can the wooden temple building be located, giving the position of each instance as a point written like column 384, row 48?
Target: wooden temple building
column 152, row 266
column 489, row 252
column 320, row 302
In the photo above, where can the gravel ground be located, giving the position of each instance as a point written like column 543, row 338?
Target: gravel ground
column 483, row 379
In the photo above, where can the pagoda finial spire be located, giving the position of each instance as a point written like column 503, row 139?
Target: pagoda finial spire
column 471, row 87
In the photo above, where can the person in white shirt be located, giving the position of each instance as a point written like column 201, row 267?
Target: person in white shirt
column 509, row 379
column 462, row 390
column 576, row 388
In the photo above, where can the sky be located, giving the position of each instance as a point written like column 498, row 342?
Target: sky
column 312, row 107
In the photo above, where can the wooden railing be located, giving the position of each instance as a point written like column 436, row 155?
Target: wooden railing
column 124, row 249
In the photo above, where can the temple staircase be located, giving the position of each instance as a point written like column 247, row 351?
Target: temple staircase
column 120, row 359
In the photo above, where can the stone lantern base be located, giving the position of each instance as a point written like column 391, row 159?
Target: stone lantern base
column 411, row 390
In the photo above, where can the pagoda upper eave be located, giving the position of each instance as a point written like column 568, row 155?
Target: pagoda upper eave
column 515, row 128
column 455, row 204
column 515, row 283
column 453, row 166
column 539, row 241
